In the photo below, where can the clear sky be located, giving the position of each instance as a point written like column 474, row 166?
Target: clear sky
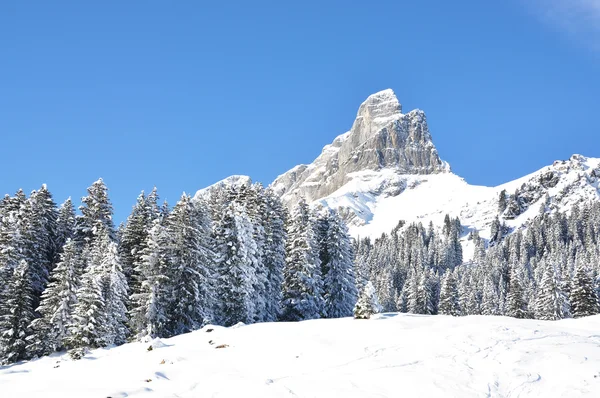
column 180, row 94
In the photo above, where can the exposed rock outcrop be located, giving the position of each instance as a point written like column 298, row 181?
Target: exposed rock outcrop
column 381, row 137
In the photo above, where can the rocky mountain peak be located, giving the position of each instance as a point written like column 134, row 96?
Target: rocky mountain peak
column 380, row 107
column 381, row 137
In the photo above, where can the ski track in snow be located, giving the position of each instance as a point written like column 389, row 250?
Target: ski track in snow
column 390, row 355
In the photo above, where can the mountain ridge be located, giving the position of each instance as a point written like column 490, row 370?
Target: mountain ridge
column 386, row 168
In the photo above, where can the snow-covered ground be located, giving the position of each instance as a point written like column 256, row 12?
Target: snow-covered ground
column 392, row 355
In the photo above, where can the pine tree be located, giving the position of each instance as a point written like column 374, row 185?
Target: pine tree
column 234, row 263
column 502, row 201
column 412, row 293
column 425, row 297
column 302, row 285
column 96, row 214
column 339, row 284
column 274, row 255
column 16, row 315
column 192, row 267
column 65, row 224
column 134, row 237
column 367, row 304
column 89, row 315
column 584, row 299
column 50, row 331
column 449, row 304
column 516, row 306
column 255, row 206
column 38, row 231
column 490, row 301
column 11, row 244
column 115, row 297
column 551, row 302
column 150, row 304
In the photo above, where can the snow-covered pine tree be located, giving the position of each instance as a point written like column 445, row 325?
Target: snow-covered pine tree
column 115, row 296
column 302, row 284
column 496, row 232
column 490, row 301
column 16, row 315
column 192, row 267
column 65, row 224
column 50, row 330
column 274, row 255
column 148, row 314
column 552, row 302
column 502, row 201
column 584, row 298
column 96, row 214
column 516, row 306
column 45, row 208
column 38, row 231
column 235, row 249
column 11, row 241
column 412, row 292
column 254, row 204
column 425, row 295
column 367, row 304
column 339, row 283
column 88, row 328
column 449, row 304
column 134, row 237
column 468, row 294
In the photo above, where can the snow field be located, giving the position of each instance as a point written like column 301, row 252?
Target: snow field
column 389, row 355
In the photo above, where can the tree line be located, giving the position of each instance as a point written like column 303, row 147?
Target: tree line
column 549, row 270
column 74, row 281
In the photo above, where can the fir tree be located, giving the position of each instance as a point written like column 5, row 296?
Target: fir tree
column 134, row 237
column 552, row 302
column 339, row 283
column 367, row 304
column 584, row 298
column 490, row 301
column 150, row 304
column 65, row 224
column 16, row 315
column 89, row 315
column 302, row 285
column 96, row 214
column 234, row 263
column 516, row 306
column 425, row 297
column 192, row 267
column 274, row 255
column 50, row 331
column 449, row 304
column 115, row 297
column 413, row 304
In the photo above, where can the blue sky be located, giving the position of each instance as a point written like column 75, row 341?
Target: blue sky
column 182, row 94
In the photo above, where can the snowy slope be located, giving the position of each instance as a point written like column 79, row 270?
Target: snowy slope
column 381, row 198
column 234, row 180
column 391, row 355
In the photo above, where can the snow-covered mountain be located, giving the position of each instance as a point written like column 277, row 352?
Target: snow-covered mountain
column 234, row 180
column 381, row 137
column 390, row 355
column 387, row 169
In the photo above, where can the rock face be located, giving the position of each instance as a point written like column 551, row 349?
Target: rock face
column 381, row 137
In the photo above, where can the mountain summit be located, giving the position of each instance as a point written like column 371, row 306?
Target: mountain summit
column 381, row 137
column 387, row 169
